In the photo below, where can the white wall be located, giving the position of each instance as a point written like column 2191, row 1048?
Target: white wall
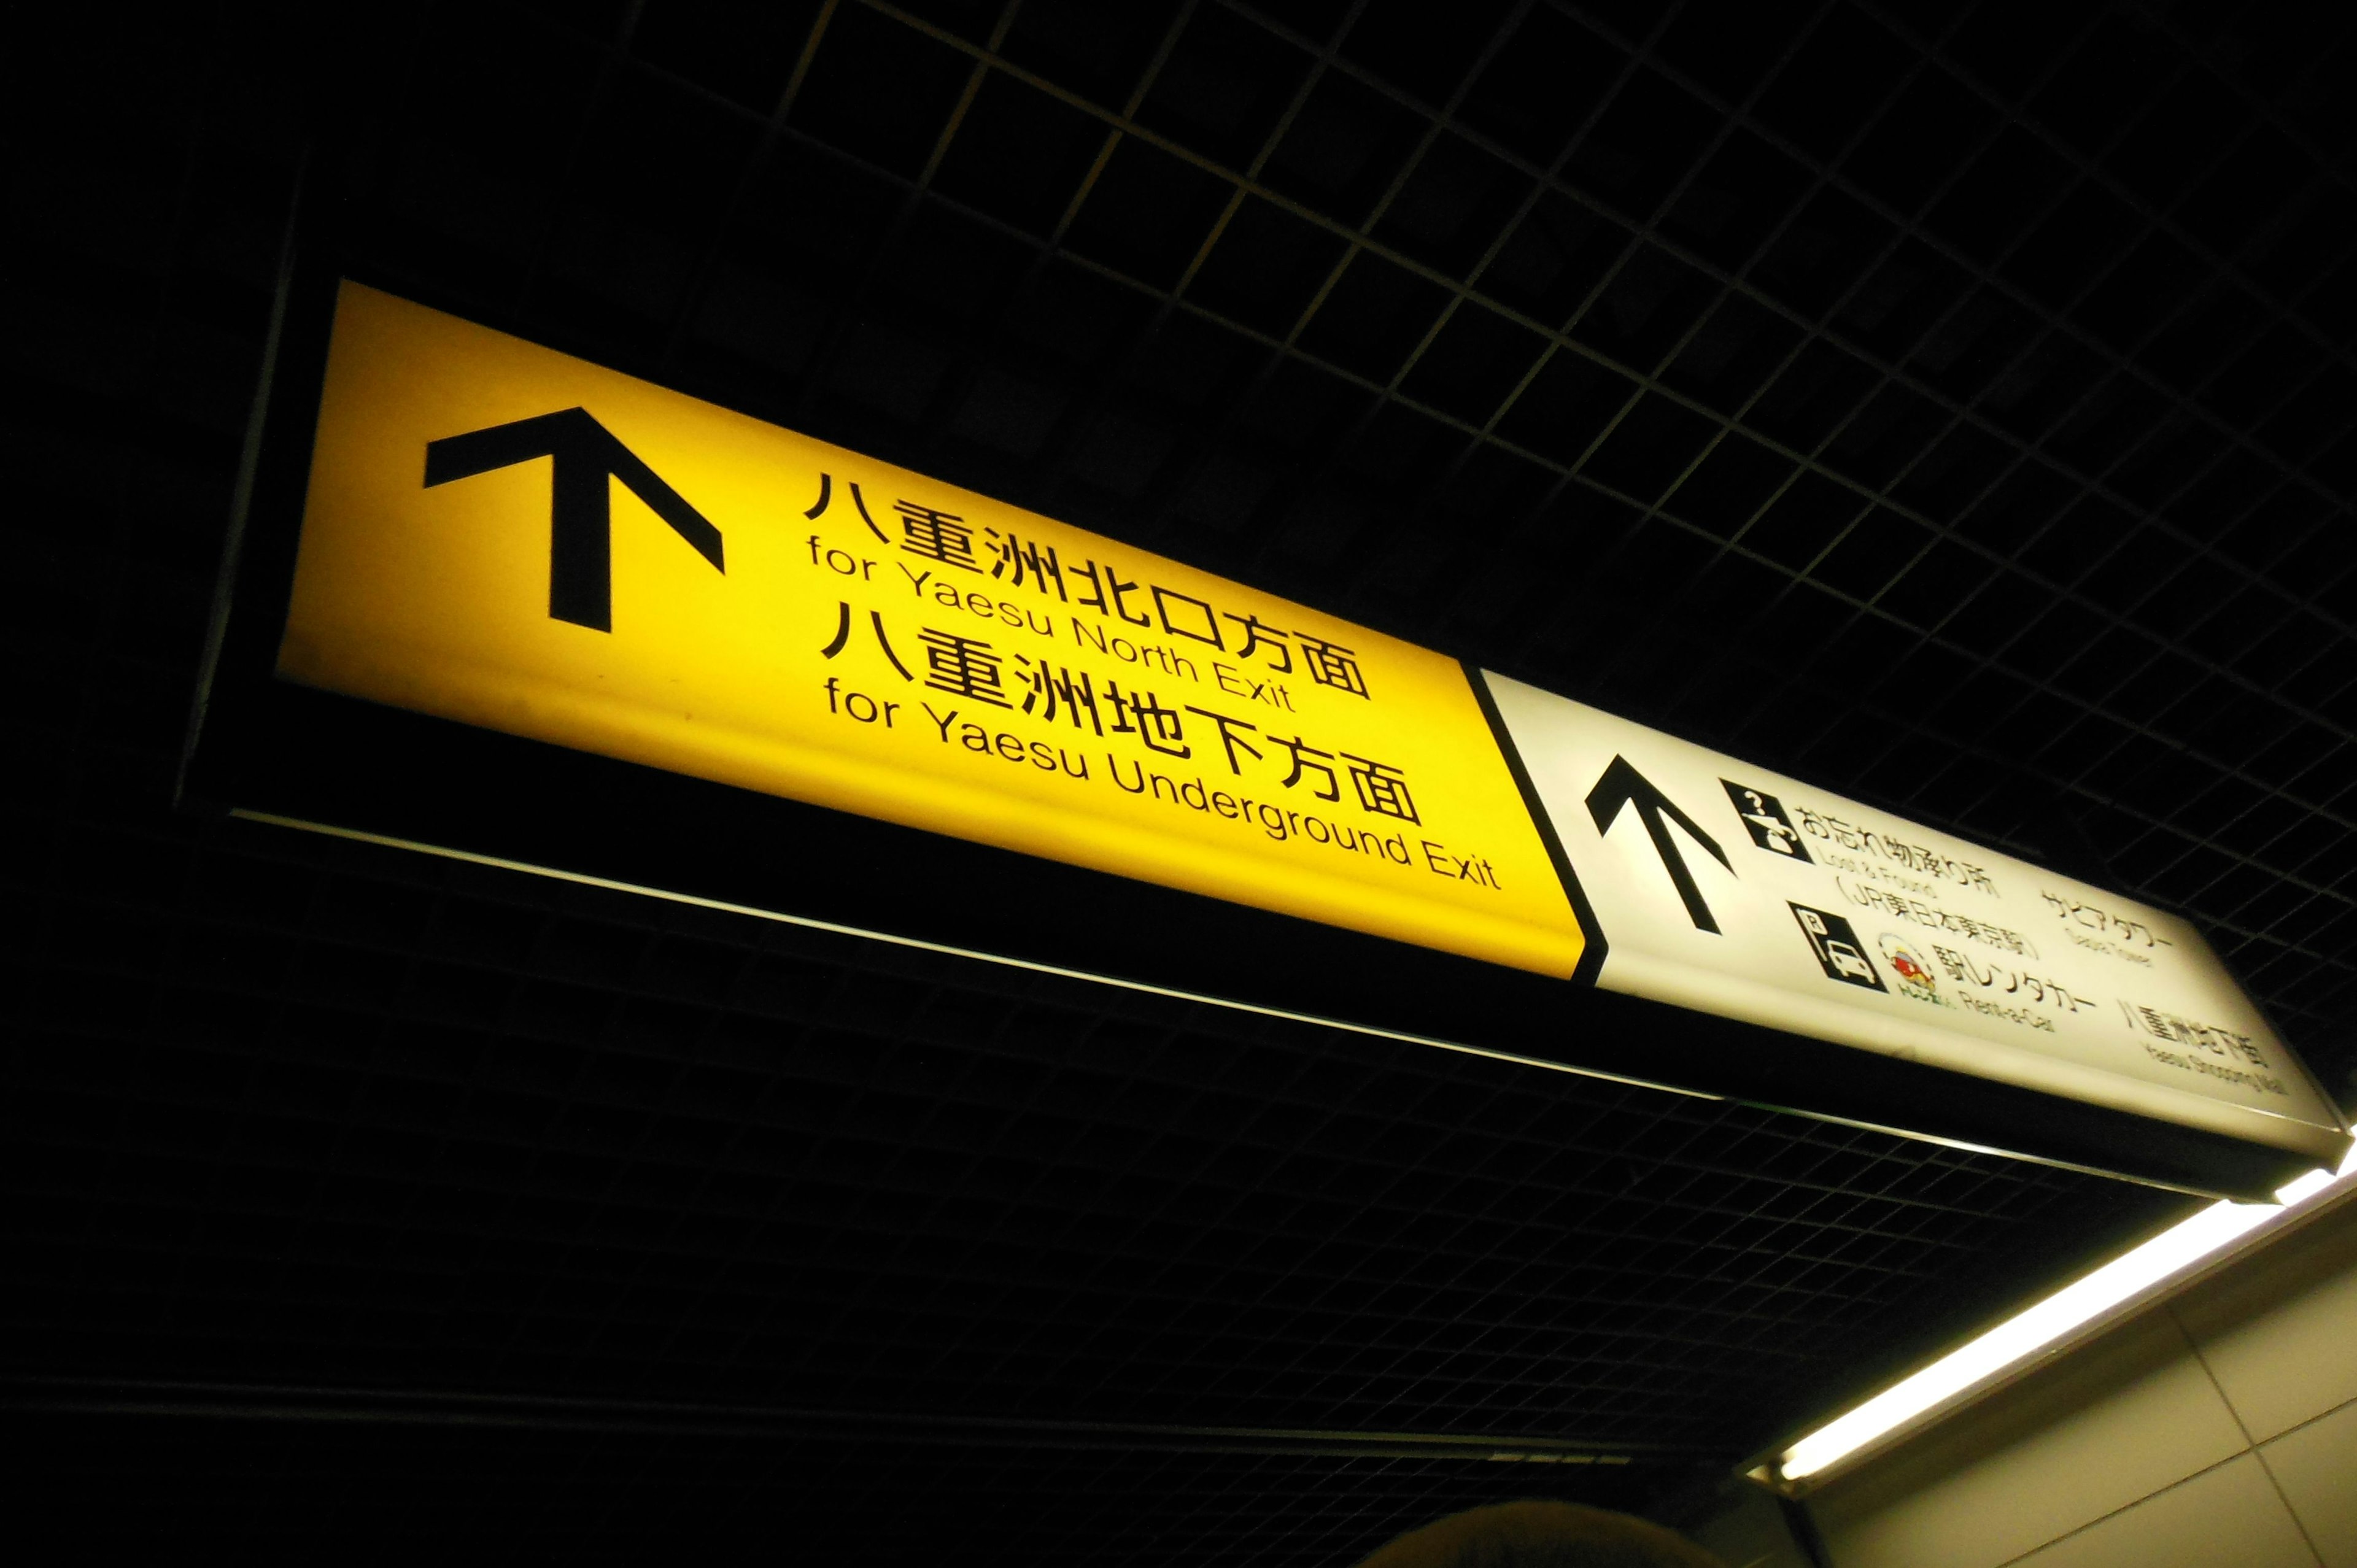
column 1743, row 1524
column 2217, row 1428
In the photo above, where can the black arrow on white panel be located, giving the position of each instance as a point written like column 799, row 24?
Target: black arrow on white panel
column 1622, row 785
column 586, row 455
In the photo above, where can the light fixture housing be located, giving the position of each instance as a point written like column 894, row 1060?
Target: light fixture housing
column 2073, row 1314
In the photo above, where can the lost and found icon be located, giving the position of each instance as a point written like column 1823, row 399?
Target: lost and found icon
column 1763, row 816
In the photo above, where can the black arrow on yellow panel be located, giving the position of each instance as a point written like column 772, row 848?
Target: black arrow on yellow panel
column 1622, row 785
column 584, row 456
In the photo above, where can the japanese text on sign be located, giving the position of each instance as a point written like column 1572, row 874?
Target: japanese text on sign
column 503, row 535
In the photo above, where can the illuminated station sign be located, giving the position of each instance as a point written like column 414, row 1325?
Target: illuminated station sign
column 495, row 534
column 511, row 537
column 1729, row 889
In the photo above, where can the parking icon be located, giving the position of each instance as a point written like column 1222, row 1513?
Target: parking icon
column 1836, row 947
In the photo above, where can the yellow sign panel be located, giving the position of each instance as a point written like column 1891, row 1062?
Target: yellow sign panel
column 509, row 537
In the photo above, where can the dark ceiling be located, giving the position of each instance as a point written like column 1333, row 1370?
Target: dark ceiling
column 1952, row 405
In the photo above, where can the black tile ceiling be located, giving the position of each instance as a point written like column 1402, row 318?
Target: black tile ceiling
column 1953, row 405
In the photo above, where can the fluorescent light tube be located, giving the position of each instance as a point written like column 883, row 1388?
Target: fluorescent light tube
column 2074, row 1306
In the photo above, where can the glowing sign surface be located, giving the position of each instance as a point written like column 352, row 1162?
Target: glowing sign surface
column 508, row 537
column 1726, row 889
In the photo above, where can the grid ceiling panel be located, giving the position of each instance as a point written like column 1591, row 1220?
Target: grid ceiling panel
column 1950, row 406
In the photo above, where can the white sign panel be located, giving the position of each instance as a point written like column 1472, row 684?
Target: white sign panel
column 1729, row 889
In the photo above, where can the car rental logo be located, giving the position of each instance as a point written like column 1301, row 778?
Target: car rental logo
column 1915, row 977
